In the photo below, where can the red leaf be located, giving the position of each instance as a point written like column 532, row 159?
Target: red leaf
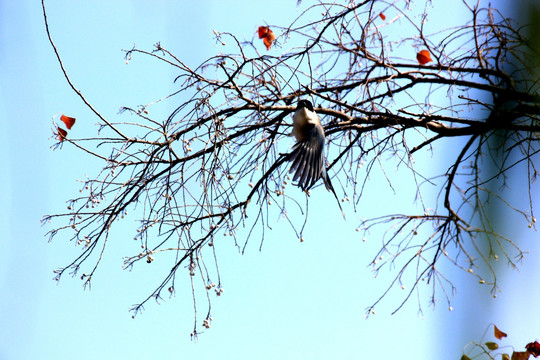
column 267, row 35
column 423, row 57
column 382, row 16
column 269, row 38
column 498, row 333
column 263, row 30
column 61, row 134
column 533, row 348
column 69, row 121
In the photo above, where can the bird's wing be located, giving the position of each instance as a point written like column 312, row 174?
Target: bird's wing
column 307, row 157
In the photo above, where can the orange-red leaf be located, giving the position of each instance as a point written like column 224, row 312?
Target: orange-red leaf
column 62, row 134
column 423, row 57
column 263, row 30
column 533, row 348
column 382, row 16
column 269, row 39
column 69, row 121
column 520, row 355
column 498, row 333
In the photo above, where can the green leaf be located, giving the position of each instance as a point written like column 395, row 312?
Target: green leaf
column 492, row 345
column 465, row 357
column 505, row 357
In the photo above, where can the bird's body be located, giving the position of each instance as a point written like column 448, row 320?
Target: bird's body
column 307, row 156
column 304, row 118
column 308, row 152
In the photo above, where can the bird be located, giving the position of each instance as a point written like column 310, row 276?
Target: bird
column 307, row 155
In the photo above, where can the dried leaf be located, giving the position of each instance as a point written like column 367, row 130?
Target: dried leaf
column 533, row 348
column 268, row 39
column 520, row 355
column 423, row 57
column 263, row 30
column 69, row 121
column 382, row 16
column 62, row 134
column 498, row 333
column 267, row 35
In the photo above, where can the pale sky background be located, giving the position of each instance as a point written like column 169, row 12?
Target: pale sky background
column 291, row 301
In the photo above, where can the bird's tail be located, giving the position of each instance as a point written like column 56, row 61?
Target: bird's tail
column 329, row 187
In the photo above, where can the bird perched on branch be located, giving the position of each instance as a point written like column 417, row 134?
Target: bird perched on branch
column 307, row 156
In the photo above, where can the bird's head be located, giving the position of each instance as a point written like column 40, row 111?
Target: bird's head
column 304, row 104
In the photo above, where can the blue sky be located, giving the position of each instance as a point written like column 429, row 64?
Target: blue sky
column 292, row 300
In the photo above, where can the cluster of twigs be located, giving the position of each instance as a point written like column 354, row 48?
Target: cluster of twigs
column 216, row 165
